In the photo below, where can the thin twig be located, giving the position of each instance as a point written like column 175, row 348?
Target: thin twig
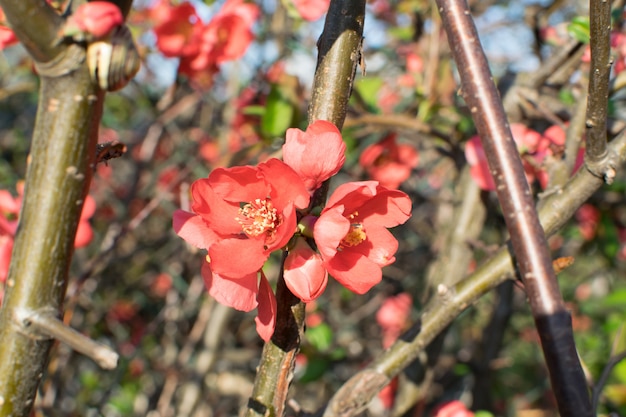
column 47, row 324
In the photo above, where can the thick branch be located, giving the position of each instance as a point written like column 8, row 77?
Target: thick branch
column 36, row 24
column 57, row 181
column 529, row 243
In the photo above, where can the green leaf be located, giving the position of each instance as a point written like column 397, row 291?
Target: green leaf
column 278, row 115
column 579, row 29
column 368, row 89
column 320, row 336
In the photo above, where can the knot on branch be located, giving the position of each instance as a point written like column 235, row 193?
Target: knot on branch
column 66, row 62
column 604, row 167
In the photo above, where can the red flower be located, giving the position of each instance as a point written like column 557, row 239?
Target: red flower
column 453, row 409
column 317, row 154
column 7, row 37
column 252, row 210
column 97, row 18
column 351, row 232
column 389, row 163
column 244, row 293
column 311, row 10
column 305, row 275
column 393, row 316
column 178, row 30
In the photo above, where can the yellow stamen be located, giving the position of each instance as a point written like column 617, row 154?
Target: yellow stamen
column 258, row 217
column 355, row 236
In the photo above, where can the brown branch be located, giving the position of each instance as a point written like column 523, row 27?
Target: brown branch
column 528, row 240
column 451, row 301
column 339, row 53
column 598, row 97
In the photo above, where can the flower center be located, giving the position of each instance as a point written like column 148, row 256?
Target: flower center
column 355, row 235
column 258, row 217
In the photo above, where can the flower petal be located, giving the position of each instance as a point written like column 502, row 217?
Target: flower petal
column 305, row 275
column 237, row 258
column 193, row 229
column 266, row 315
column 240, row 294
column 219, row 214
column 329, row 230
column 354, row 271
column 287, row 186
column 317, row 154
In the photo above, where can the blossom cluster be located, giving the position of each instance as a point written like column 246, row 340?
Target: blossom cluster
column 240, row 215
column 201, row 47
column 536, row 150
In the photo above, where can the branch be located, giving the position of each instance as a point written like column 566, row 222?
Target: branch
column 442, row 309
column 47, row 324
column 339, row 52
column 529, row 243
column 36, row 24
column 598, row 96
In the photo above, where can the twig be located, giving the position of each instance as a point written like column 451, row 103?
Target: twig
column 598, row 97
column 528, row 240
column 46, row 324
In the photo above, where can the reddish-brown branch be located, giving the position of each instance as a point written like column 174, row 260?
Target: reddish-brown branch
column 528, row 240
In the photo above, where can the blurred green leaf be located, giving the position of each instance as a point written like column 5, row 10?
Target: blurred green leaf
column 368, row 89
column 579, row 29
column 320, row 336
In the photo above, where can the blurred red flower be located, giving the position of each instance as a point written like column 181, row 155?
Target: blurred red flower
column 453, row 409
column 389, row 163
column 351, row 233
column 534, row 147
column 97, row 18
column 311, row 10
column 317, row 154
column 9, row 211
column 178, row 29
column 393, row 316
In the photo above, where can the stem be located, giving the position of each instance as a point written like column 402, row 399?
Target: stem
column 57, row 181
column 339, row 50
column 598, row 97
column 528, row 240
column 451, row 301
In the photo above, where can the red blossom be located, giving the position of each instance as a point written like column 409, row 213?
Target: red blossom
column 305, row 275
column 453, row 409
column 97, row 18
column 317, row 154
column 351, row 233
column 533, row 146
column 389, row 163
column 311, row 10
column 393, row 316
column 7, row 37
column 178, row 30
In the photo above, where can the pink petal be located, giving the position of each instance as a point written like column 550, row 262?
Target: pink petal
column 305, row 274
column 193, row 229
column 287, row 186
column 317, row 154
column 266, row 316
column 238, row 184
column 236, row 258
column 329, row 230
column 354, row 271
column 387, row 208
column 284, row 232
column 6, row 247
column 220, row 215
column 240, row 294
column 474, row 152
column 380, row 245
column 311, row 10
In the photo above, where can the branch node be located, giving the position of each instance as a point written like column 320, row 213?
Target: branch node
column 68, row 61
column 45, row 324
column 604, row 167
